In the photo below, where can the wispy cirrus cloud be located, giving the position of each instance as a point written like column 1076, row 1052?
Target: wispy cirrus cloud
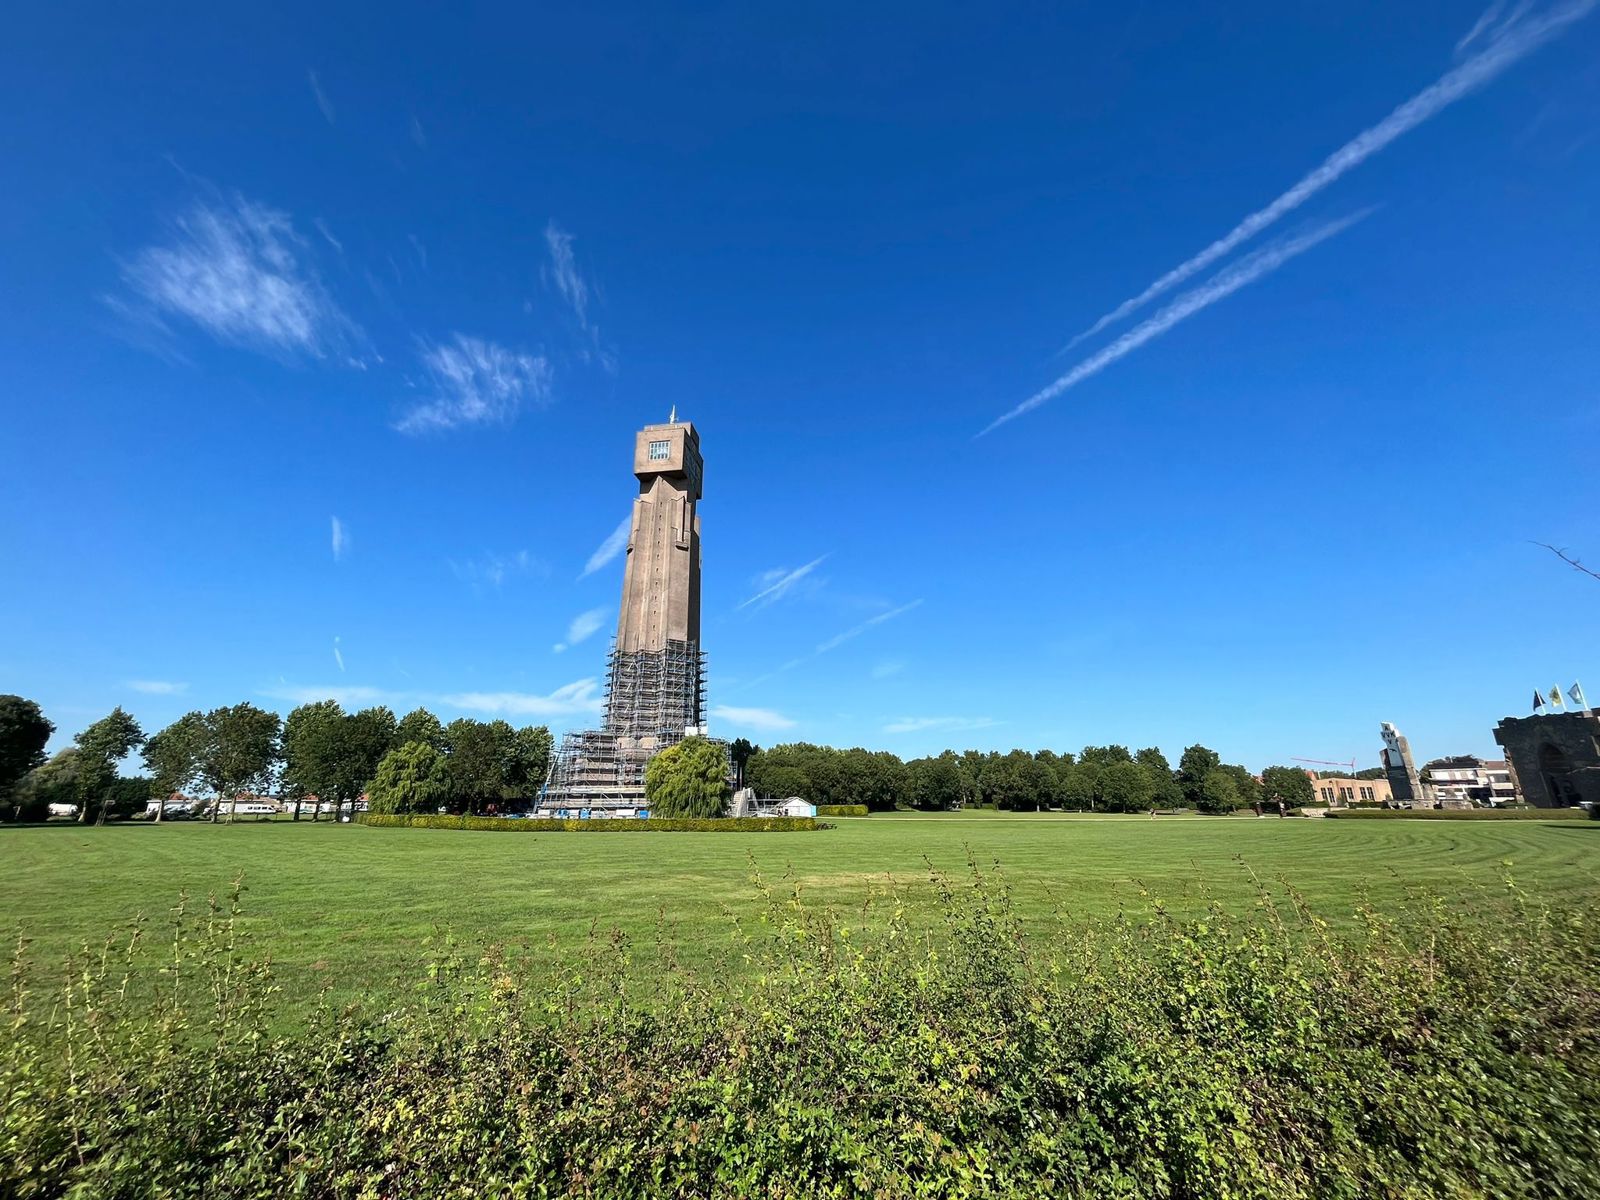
column 582, row 627
column 761, row 720
column 340, row 539
column 616, row 542
column 583, row 696
column 240, row 272
column 474, row 381
column 1512, row 41
column 492, row 570
column 919, row 724
column 778, row 582
column 1240, row 274
column 856, row 631
column 321, row 97
column 563, row 275
column 338, row 654
column 158, row 687
column 832, row 643
column 888, row 668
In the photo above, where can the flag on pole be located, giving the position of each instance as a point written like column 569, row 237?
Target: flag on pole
column 1555, row 698
column 1538, row 700
column 1576, row 692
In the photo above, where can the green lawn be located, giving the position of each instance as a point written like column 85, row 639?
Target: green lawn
column 350, row 908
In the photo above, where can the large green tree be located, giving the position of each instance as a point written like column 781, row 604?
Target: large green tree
column 688, row 779
column 478, row 755
column 1167, row 793
column 365, row 737
column 100, row 748
column 241, row 750
column 313, row 736
column 1126, row 787
column 1219, row 793
column 740, row 751
column 1197, row 762
column 1289, row 784
column 173, row 756
column 527, row 762
column 1245, row 784
column 420, row 725
column 54, row 781
column 936, row 783
column 24, row 730
column 415, row 778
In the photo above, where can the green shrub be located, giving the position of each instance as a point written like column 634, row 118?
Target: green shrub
column 1454, row 814
column 688, row 779
column 1262, row 1056
column 842, row 810
column 604, row 825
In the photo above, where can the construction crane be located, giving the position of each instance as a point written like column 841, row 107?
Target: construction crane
column 1323, row 762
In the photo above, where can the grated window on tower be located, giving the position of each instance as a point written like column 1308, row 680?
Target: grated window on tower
column 660, row 451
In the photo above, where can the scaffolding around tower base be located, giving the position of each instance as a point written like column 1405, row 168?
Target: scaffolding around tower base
column 654, row 698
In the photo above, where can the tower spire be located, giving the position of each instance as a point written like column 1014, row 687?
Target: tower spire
column 673, row 419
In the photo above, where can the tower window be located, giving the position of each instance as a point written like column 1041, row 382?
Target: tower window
column 660, row 451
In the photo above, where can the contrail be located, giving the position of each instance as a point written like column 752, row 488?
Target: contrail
column 1246, row 271
column 1513, row 42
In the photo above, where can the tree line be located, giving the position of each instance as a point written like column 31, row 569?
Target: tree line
column 1099, row 779
column 319, row 751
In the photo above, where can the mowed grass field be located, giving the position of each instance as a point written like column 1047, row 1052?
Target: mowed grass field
column 351, row 910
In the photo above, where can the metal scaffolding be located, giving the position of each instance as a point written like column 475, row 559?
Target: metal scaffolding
column 653, row 698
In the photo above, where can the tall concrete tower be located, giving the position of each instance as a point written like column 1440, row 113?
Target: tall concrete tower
column 1400, row 768
column 656, row 684
column 655, row 675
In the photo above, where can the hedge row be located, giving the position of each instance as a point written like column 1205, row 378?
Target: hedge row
column 842, row 810
column 603, row 825
column 1441, row 1050
column 1456, row 814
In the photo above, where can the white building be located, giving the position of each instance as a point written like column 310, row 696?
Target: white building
column 1470, row 780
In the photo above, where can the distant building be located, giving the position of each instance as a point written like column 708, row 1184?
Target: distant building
column 1337, row 792
column 1466, row 778
column 1554, row 759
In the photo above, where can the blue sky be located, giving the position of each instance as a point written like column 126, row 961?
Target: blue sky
column 324, row 335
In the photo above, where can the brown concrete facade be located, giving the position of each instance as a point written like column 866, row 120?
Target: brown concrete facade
column 1554, row 759
column 661, row 583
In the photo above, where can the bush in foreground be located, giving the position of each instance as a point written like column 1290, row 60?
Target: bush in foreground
column 842, row 810
column 1255, row 1057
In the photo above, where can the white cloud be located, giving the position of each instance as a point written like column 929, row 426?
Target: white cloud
column 240, row 272
column 495, row 569
column 341, row 539
column 580, row 697
column 1516, row 38
column 888, row 667
column 839, row 639
column 476, row 382
column 778, row 583
column 322, row 97
column 322, row 228
column 1246, row 271
column 417, row 135
column 918, row 724
column 763, row 720
column 584, row 626
column 563, row 272
column 338, row 655
column 616, row 542
column 347, row 695
column 158, row 687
